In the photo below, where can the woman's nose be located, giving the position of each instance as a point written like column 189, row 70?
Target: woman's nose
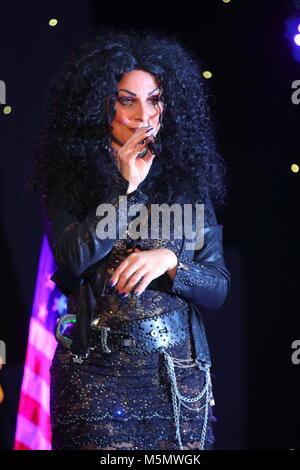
column 143, row 113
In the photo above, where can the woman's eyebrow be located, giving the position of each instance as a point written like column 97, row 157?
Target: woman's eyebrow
column 153, row 91
column 133, row 94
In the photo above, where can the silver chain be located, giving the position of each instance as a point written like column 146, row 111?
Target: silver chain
column 178, row 399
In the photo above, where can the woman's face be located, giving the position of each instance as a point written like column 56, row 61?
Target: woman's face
column 138, row 104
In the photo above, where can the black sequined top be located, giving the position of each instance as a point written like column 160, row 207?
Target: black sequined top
column 111, row 310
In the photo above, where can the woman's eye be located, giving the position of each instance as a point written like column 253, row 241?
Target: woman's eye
column 128, row 101
column 155, row 100
column 125, row 101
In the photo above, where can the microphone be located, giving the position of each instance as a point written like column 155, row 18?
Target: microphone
column 149, row 146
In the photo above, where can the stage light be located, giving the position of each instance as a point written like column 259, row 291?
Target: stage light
column 297, row 37
column 6, row 110
column 292, row 31
column 295, row 168
column 53, row 22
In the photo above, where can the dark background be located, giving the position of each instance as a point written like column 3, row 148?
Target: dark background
column 243, row 44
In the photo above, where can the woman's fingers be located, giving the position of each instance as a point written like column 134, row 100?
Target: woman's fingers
column 126, row 269
column 148, row 157
column 135, row 169
column 124, row 277
column 136, row 272
column 126, row 286
column 144, row 283
column 130, row 272
column 139, row 137
column 119, row 163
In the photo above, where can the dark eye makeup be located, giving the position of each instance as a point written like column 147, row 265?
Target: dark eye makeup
column 126, row 101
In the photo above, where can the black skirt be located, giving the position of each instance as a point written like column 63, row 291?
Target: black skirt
column 122, row 401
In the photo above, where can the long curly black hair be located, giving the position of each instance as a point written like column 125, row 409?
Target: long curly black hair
column 71, row 153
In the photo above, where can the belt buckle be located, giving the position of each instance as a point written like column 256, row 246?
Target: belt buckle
column 103, row 339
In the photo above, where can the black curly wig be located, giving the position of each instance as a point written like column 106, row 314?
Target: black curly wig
column 71, row 153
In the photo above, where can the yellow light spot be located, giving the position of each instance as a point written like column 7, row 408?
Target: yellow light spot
column 6, row 110
column 53, row 22
column 226, row 1
column 207, row 74
column 1, row 394
column 295, row 168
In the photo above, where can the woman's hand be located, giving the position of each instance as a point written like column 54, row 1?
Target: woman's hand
column 148, row 265
column 135, row 169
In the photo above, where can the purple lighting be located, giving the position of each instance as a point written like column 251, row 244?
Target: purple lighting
column 33, row 430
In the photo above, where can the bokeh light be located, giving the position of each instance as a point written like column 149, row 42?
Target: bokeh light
column 207, row 74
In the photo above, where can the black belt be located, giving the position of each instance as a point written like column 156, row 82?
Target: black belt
column 139, row 336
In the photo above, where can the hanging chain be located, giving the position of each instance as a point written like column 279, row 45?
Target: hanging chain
column 178, row 399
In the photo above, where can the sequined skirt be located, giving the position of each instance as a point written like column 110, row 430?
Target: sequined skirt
column 125, row 402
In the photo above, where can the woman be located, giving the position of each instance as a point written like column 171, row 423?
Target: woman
column 128, row 117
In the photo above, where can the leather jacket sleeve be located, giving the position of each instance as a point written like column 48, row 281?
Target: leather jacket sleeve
column 75, row 245
column 204, row 279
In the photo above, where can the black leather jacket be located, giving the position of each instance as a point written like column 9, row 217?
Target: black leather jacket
column 201, row 277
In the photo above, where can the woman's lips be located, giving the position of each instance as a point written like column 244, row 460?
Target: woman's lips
column 133, row 129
